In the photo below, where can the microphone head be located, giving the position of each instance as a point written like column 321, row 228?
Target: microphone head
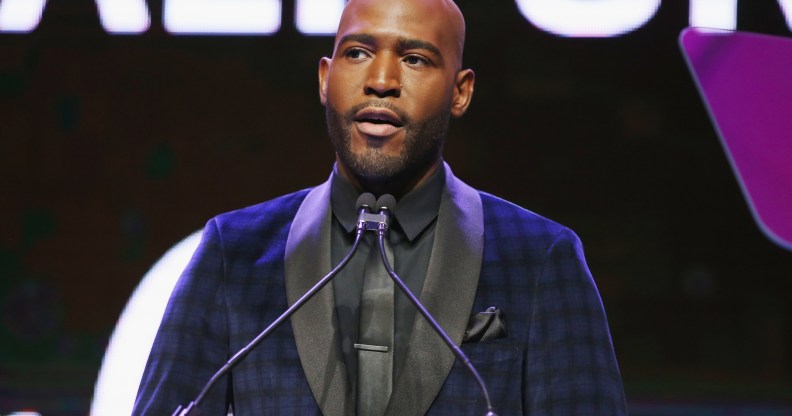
column 387, row 202
column 366, row 200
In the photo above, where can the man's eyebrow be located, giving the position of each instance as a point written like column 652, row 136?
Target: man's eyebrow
column 358, row 37
column 419, row 44
column 404, row 43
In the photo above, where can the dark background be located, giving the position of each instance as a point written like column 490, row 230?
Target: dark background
column 113, row 148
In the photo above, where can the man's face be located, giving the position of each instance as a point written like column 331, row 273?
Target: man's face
column 392, row 85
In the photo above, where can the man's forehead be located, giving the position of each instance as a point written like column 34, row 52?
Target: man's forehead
column 434, row 21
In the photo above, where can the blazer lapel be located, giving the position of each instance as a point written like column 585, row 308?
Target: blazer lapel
column 448, row 293
column 315, row 326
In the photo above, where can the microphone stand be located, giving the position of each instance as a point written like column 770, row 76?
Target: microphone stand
column 382, row 231
column 192, row 408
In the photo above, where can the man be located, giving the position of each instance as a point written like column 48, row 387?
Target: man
column 510, row 286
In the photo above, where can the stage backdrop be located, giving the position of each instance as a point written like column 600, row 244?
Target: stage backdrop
column 114, row 147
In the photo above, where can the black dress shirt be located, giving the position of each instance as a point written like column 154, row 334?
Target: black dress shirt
column 411, row 235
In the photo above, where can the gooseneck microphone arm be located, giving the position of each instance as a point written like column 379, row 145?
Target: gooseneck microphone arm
column 364, row 204
column 385, row 205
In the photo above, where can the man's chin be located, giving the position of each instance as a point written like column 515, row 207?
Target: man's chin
column 377, row 170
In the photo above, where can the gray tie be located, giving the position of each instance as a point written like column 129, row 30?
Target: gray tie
column 375, row 341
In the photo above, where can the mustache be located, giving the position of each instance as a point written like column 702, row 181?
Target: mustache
column 377, row 103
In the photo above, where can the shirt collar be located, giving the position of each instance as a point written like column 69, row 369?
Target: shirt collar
column 414, row 212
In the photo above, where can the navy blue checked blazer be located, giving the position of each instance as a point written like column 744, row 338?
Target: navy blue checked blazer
column 556, row 359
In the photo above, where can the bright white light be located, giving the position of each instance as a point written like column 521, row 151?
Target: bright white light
column 786, row 8
column 222, row 16
column 124, row 16
column 117, row 16
column 588, row 18
column 318, row 17
column 20, row 15
column 130, row 344
column 713, row 14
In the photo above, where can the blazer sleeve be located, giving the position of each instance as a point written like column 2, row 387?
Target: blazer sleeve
column 571, row 366
column 192, row 341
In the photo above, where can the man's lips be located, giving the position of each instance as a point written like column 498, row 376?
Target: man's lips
column 378, row 122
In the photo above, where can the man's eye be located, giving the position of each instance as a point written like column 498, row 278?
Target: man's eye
column 356, row 54
column 415, row 60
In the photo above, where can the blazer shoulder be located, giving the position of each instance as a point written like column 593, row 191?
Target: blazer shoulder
column 509, row 218
column 275, row 211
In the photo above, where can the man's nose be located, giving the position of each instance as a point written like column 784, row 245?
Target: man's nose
column 384, row 78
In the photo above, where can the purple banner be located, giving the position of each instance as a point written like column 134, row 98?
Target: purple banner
column 746, row 81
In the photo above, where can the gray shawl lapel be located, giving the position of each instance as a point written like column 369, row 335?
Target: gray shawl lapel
column 315, row 326
column 448, row 294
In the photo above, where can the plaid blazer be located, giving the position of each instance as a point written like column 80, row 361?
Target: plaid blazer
column 556, row 358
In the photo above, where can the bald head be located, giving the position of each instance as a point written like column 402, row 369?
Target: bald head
column 442, row 17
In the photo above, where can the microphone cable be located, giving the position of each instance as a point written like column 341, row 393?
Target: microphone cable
column 386, row 204
column 364, row 203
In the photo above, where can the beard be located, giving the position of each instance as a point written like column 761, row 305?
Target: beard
column 422, row 146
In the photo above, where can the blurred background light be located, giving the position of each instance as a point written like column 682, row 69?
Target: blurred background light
column 713, row 14
column 20, row 15
column 318, row 17
column 124, row 16
column 786, row 7
column 588, row 18
column 117, row 16
column 129, row 346
column 222, row 16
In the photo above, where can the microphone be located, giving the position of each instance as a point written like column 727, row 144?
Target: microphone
column 364, row 204
column 385, row 205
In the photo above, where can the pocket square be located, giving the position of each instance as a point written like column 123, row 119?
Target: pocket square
column 487, row 325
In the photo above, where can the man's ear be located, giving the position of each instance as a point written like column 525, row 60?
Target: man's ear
column 324, row 68
column 463, row 92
